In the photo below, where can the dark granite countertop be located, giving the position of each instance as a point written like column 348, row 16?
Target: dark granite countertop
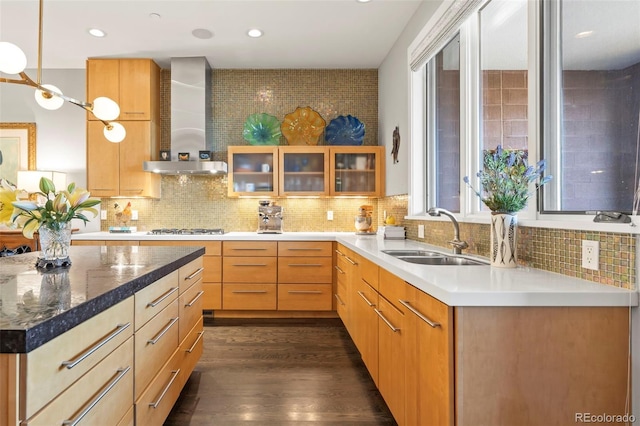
column 36, row 306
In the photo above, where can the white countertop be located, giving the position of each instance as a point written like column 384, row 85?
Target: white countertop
column 454, row 285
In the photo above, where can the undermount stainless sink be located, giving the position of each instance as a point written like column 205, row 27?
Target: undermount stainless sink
column 443, row 260
column 426, row 257
column 421, row 253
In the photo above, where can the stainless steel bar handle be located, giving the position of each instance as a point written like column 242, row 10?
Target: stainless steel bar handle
column 338, row 269
column 304, row 264
column 161, row 298
column 121, row 373
column 190, row 277
column 163, row 332
column 365, row 299
column 190, row 304
column 196, row 342
column 339, row 300
column 394, row 329
column 305, row 249
column 249, row 264
column 249, row 291
column 248, row 248
column 407, row 305
column 166, row 389
column 305, row 292
column 339, row 252
column 72, row 363
column 351, row 261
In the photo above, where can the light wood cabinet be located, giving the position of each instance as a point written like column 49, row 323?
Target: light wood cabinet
column 348, row 274
column 115, row 169
column 365, row 325
column 306, row 171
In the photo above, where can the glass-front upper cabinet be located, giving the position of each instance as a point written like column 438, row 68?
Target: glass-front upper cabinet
column 357, row 170
column 253, row 171
column 304, row 170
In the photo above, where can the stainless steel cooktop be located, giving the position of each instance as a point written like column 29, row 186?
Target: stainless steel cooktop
column 187, row 231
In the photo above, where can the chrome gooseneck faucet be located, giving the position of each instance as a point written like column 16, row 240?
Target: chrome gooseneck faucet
column 457, row 243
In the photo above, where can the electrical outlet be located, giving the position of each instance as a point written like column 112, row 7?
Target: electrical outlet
column 330, row 215
column 591, row 254
column 420, row 231
column 103, row 215
column 134, row 214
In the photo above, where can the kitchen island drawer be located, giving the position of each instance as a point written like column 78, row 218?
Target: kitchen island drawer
column 305, row 269
column 191, row 350
column 190, row 308
column 154, row 298
column 250, row 248
column 102, row 396
column 305, row 248
column 57, row 364
column 249, row 296
column 154, row 344
column 190, row 273
column 304, row 297
column 249, row 269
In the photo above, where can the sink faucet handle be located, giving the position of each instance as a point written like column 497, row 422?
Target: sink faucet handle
column 458, row 245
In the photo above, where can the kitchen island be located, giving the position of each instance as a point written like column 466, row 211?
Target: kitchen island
column 68, row 336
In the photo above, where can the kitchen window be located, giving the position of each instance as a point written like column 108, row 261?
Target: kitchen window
column 524, row 85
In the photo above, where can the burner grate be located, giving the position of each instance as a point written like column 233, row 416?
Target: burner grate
column 187, row 231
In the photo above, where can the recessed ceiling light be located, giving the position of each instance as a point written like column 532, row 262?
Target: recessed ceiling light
column 363, row 1
column 202, row 33
column 154, row 15
column 254, row 32
column 584, row 34
column 97, row 32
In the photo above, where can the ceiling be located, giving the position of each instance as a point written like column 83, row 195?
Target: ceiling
column 297, row 33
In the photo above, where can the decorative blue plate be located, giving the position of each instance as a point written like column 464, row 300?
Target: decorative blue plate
column 262, row 129
column 344, row 130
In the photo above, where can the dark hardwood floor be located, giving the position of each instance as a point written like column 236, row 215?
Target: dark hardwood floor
column 279, row 372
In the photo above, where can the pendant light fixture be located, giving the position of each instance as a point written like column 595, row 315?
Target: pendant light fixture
column 13, row 61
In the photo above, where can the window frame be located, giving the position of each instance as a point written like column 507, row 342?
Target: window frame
column 467, row 24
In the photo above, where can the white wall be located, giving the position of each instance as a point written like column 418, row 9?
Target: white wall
column 393, row 99
column 61, row 134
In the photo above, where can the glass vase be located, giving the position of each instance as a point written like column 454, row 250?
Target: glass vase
column 55, row 240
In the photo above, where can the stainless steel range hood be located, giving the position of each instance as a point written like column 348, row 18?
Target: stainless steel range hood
column 191, row 123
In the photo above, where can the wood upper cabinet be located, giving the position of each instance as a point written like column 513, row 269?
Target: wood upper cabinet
column 306, row 170
column 115, row 169
column 133, row 83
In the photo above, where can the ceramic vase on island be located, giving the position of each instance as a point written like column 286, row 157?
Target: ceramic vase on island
column 504, row 227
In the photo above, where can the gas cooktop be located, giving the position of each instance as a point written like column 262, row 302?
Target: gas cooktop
column 187, row 231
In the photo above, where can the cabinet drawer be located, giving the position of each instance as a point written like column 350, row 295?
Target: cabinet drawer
column 369, row 272
column 305, row 248
column 155, row 297
column 304, row 297
column 128, row 419
column 102, row 396
column 57, row 364
column 393, row 288
column 155, row 404
column 212, row 269
column 190, row 273
column 305, row 269
column 190, row 308
column 249, row 269
column 250, row 248
column 249, row 296
column 212, row 298
column 154, row 344
column 190, row 351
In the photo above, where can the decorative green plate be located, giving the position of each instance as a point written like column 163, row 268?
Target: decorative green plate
column 262, row 129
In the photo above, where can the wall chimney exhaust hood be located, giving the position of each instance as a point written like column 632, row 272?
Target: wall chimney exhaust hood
column 191, row 123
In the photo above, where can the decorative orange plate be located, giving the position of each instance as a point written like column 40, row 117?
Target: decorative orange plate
column 303, row 127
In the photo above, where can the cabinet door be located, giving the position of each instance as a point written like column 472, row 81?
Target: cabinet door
column 137, row 83
column 103, row 79
column 365, row 326
column 429, row 360
column 391, row 358
column 134, row 150
column 357, row 171
column 103, row 162
column 252, row 171
column 304, row 170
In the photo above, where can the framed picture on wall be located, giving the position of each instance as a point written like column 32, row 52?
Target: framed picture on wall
column 17, row 149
